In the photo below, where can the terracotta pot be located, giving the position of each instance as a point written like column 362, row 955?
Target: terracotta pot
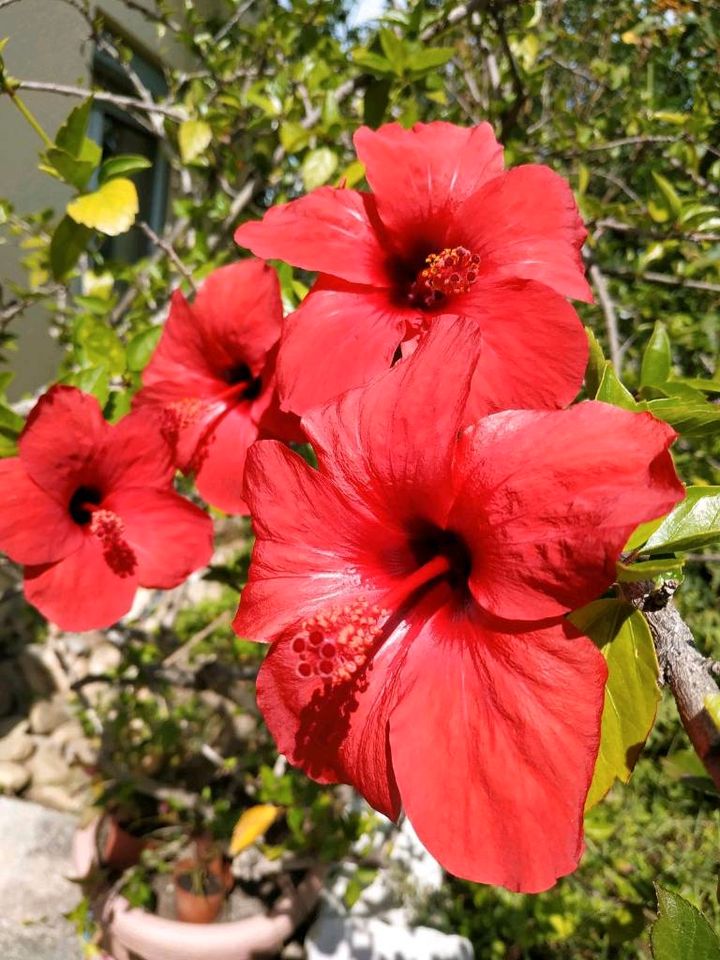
column 116, row 847
column 132, row 934
column 192, row 905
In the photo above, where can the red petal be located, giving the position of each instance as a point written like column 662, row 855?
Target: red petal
column 548, row 501
column 421, row 176
column 80, row 592
column 525, row 223
column 390, row 444
column 356, row 331
column 180, row 359
column 239, row 311
column 61, row 439
column 34, row 527
column 135, row 453
column 493, row 743
column 330, row 230
column 313, row 548
column 220, row 463
column 334, row 734
column 169, row 536
column 520, row 364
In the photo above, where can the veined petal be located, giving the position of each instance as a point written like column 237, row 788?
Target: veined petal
column 420, row 177
column 80, row 592
column 313, row 547
column 525, row 223
column 493, row 743
column 390, row 443
column 547, row 501
column 135, row 453
column 220, row 461
column 180, row 355
column 169, row 536
column 521, row 366
column 331, row 230
column 34, row 527
column 355, row 331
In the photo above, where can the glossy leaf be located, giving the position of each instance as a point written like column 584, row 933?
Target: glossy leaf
column 140, row 348
column 596, row 364
column 123, row 165
column 693, row 524
column 252, row 824
column 631, row 694
column 71, row 135
column 656, row 360
column 111, row 209
column 318, row 166
column 69, row 240
column 611, row 390
column 668, row 568
column 681, row 932
column 194, row 137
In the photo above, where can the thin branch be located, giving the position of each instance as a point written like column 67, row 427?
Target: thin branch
column 130, row 103
column 153, row 17
column 608, row 308
column 683, row 668
column 169, row 250
column 664, row 278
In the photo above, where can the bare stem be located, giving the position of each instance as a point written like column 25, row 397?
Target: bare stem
column 132, row 103
column 608, row 308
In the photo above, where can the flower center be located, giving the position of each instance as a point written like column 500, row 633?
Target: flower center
column 452, row 271
column 82, row 503
column 110, row 531
column 240, row 375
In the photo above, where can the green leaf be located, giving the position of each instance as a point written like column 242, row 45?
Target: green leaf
column 375, row 102
column 141, row 347
column 430, row 58
column 123, row 165
column 99, row 345
column 681, row 932
column 111, row 209
column 657, row 359
column 631, row 694
column 317, row 167
column 93, row 380
column 694, row 523
column 194, row 137
column 671, row 198
column 67, row 168
column 596, row 364
column 641, row 533
column 71, row 135
column 293, row 137
column 668, row 568
column 611, row 390
column 712, row 707
column 69, row 240
column 372, row 62
column 394, row 50
column 690, row 416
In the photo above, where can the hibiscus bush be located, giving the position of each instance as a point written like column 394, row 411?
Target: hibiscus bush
column 435, row 307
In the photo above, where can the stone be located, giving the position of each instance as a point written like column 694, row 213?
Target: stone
column 349, row 938
column 34, row 891
column 16, row 744
column 103, row 659
column 57, row 797
column 48, row 765
column 41, row 670
column 48, row 715
column 62, row 735
column 13, row 777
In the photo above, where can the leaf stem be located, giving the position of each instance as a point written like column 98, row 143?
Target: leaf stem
column 30, row 117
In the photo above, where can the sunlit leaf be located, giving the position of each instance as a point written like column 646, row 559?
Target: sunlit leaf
column 681, row 932
column 194, row 137
column 111, row 209
column 123, row 165
column 252, row 824
column 318, row 166
column 611, row 390
column 693, row 524
column 656, row 360
column 631, row 694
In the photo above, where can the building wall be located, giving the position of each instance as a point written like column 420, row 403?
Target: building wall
column 48, row 40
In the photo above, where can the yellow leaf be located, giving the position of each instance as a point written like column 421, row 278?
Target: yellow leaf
column 111, row 209
column 252, row 824
column 194, row 137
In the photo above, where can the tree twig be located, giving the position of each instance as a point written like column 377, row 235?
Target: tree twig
column 608, row 308
column 663, row 278
column 128, row 103
column 168, row 249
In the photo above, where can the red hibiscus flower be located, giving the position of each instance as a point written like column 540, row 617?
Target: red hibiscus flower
column 414, row 588
column 213, row 377
column 89, row 508
column 445, row 231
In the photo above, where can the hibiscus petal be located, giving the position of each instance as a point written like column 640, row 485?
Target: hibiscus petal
column 62, row 435
column 493, row 744
column 80, row 592
column 330, row 230
column 135, row 453
column 335, row 733
column 169, row 536
column 520, row 365
column 239, row 311
column 354, row 329
column 548, row 501
column 525, row 223
column 180, row 356
column 391, row 442
column 313, row 547
column 421, row 176
column 34, row 527
column 220, row 462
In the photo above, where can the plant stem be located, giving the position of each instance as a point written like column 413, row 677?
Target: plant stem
column 30, row 117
